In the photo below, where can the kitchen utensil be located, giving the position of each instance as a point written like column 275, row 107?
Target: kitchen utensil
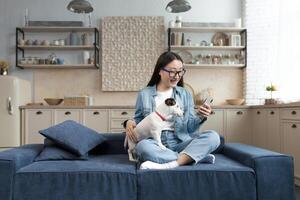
column 53, row 101
column 236, row 101
column 186, row 56
column 220, row 39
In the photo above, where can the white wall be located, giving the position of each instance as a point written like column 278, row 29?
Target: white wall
column 12, row 11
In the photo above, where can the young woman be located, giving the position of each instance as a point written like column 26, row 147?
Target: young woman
column 184, row 144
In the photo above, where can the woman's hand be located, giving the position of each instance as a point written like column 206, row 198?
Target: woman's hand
column 204, row 110
column 130, row 125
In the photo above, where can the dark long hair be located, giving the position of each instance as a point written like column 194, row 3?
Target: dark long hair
column 163, row 60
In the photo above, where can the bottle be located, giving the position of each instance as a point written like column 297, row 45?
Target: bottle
column 178, row 22
column 26, row 17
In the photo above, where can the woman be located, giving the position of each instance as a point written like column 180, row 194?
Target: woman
column 184, row 146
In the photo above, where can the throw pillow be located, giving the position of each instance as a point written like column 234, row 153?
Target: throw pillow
column 53, row 152
column 73, row 137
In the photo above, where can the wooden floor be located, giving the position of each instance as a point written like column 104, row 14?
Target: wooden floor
column 297, row 189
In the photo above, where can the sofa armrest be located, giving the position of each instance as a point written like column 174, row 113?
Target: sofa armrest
column 12, row 160
column 274, row 171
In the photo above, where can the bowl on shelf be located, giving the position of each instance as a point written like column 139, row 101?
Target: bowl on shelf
column 236, row 102
column 53, row 101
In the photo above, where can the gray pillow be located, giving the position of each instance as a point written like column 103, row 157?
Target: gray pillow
column 73, row 137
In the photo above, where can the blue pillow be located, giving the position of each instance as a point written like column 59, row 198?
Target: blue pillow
column 73, row 137
column 53, row 152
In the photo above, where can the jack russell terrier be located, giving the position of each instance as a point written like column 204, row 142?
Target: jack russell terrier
column 152, row 125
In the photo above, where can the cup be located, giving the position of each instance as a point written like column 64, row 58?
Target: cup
column 60, row 61
column 86, row 56
column 21, row 42
column 45, row 42
column 62, row 42
column 28, row 42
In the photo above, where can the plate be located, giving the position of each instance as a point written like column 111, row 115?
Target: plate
column 220, row 39
column 186, row 56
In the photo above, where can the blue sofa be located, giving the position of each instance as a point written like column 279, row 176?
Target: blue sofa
column 241, row 172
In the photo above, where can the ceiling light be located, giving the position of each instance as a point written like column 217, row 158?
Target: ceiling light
column 177, row 6
column 80, row 6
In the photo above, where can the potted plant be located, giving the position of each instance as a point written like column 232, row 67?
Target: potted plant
column 4, row 65
column 271, row 88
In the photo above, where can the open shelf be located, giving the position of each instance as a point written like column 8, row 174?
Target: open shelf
column 56, row 29
column 66, row 47
column 70, row 66
column 214, row 66
column 173, row 47
column 207, row 29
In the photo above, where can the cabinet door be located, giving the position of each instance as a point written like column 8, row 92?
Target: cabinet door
column 273, row 130
column 117, row 117
column 96, row 119
column 36, row 120
column 238, row 126
column 62, row 115
column 291, row 138
column 259, row 128
column 214, row 122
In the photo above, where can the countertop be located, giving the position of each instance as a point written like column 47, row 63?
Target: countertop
column 296, row 104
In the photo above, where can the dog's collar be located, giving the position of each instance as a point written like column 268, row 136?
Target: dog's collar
column 162, row 118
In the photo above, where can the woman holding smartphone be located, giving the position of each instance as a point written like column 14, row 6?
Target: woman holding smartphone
column 185, row 145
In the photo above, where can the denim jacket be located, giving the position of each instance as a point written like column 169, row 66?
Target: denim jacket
column 183, row 126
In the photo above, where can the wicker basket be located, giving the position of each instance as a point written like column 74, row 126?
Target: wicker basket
column 76, row 101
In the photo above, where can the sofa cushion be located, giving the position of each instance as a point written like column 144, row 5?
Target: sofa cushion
column 226, row 180
column 100, row 177
column 73, row 136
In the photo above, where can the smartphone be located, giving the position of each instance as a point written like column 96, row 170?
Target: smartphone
column 208, row 101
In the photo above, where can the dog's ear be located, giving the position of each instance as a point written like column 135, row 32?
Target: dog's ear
column 170, row 102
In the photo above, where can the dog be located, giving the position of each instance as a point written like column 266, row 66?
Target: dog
column 152, row 125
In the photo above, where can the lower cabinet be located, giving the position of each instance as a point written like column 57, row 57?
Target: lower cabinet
column 290, row 143
column 96, row 119
column 215, row 122
column 266, row 128
column 35, row 120
column 238, row 126
column 101, row 120
column 62, row 115
column 117, row 117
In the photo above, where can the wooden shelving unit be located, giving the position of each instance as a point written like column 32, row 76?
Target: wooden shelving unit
column 21, row 31
column 217, row 49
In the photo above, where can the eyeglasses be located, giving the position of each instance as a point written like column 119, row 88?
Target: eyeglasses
column 173, row 74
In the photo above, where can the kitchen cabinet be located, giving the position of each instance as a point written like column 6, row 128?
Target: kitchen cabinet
column 117, row 117
column 96, row 119
column 273, row 130
column 34, row 45
column 209, row 47
column 266, row 128
column 290, row 136
column 62, row 115
column 35, row 120
column 101, row 120
column 215, row 122
column 259, row 127
column 238, row 126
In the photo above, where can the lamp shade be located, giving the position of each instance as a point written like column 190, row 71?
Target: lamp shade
column 177, row 6
column 80, row 6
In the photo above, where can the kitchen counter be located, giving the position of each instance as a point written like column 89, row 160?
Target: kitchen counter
column 295, row 104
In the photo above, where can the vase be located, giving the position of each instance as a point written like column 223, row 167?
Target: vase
column 3, row 72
